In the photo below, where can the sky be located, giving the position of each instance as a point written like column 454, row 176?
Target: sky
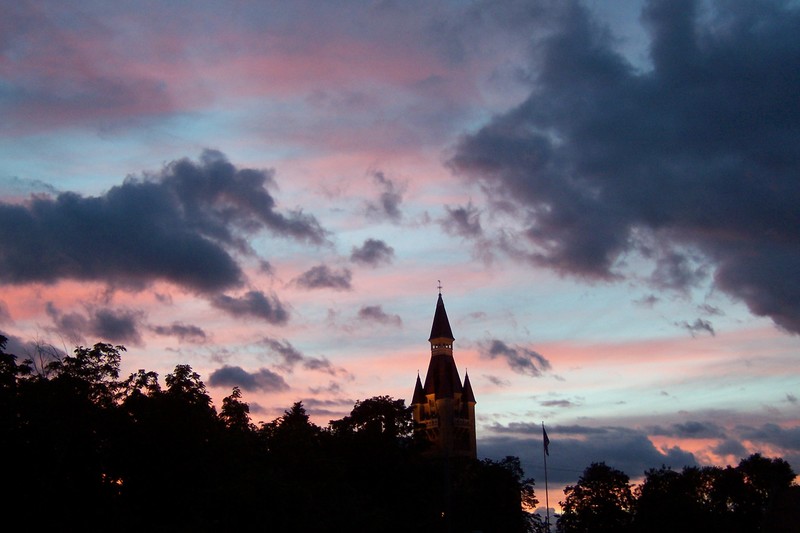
column 608, row 194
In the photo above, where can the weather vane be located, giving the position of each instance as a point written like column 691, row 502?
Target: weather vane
column 439, row 286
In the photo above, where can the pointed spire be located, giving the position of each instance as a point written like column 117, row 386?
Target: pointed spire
column 467, row 394
column 419, row 393
column 441, row 325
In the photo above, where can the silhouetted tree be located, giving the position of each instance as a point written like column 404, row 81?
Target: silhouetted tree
column 68, row 429
column 771, row 481
column 669, row 501
column 707, row 498
column 601, row 501
column 235, row 414
column 493, row 496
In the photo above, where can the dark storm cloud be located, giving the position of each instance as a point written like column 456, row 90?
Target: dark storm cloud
column 521, row 360
column 463, row 221
column 786, row 438
column 179, row 225
column 730, row 447
column 16, row 346
column 101, row 324
column 373, row 252
column 388, row 204
column 255, row 304
column 184, row 332
column 629, row 450
column 691, row 161
column 263, row 380
column 691, row 429
column 289, row 357
column 375, row 313
column 323, row 277
column 574, row 447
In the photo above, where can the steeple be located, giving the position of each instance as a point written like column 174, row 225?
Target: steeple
column 442, row 377
column 441, row 325
column 468, row 395
column 419, row 393
column 444, row 409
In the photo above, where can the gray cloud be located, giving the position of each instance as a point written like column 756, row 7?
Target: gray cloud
column 558, row 403
column 388, row 205
column 100, row 323
column 180, row 225
column 323, row 277
column 5, row 315
column 330, row 388
column 691, row 429
column 375, row 313
column 373, row 252
column 730, row 447
column 496, row 380
column 521, row 360
column 289, row 357
column 16, row 346
column 263, row 380
column 698, row 326
column 255, row 304
column 786, row 438
column 184, row 332
column 699, row 151
column 463, row 221
column 648, row 301
column 710, row 310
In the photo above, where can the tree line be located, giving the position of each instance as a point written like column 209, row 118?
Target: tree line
column 757, row 495
column 87, row 450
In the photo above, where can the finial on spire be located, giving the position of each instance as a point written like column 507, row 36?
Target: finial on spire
column 439, row 286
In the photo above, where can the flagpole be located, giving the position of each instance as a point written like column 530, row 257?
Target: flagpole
column 546, row 492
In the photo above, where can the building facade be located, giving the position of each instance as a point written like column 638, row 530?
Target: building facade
column 444, row 407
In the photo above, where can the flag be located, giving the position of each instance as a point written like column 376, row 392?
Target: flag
column 546, row 441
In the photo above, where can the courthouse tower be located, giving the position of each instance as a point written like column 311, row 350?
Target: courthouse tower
column 444, row 408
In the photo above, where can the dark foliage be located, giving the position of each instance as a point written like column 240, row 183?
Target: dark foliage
column 92, row 452
column 600, row 502
column 758, row 495
column 87, row 451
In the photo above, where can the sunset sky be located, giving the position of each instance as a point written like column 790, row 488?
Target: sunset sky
column 271, row 192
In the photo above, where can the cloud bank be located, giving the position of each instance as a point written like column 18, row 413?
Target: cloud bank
column 690, row 161
column 183, row 225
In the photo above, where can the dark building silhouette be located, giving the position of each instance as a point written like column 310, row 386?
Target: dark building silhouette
column 444, row 408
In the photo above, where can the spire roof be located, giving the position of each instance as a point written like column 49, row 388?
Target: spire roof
column 442, row 377
column 441, row 325
column 419, row 393
column 468, row 395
